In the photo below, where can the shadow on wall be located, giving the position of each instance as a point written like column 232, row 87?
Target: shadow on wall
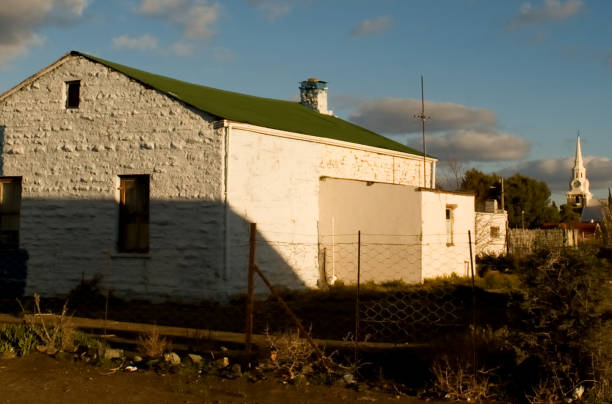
column 191, row 257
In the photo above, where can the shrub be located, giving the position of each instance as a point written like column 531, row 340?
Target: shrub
column 558, row 324
column 152, row 344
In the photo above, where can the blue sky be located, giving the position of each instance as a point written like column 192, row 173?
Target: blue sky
column 507, row 83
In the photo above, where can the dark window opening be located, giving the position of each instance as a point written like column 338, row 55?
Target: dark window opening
column 10, row 210
column 494, row 232
column 73, row 90
column 133, row 214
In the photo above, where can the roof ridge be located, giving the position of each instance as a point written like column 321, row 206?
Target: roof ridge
column 260, row 111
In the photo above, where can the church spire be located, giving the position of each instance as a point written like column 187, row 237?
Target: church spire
column 578, row 163
column 579, row 194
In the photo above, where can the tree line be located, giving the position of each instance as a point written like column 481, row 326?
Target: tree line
column 526, row 199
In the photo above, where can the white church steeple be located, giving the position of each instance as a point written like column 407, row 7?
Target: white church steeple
column 579, row 195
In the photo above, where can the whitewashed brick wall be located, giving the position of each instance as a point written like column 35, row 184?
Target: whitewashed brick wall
column 70, row 160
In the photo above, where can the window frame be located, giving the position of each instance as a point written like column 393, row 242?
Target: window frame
column 15, row 243
column 133, row 235
column 71, row 103
column 449, row 213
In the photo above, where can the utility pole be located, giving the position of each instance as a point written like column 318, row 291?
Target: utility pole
column 422, row 117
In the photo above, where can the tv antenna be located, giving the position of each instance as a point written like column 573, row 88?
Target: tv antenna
column 422, row 117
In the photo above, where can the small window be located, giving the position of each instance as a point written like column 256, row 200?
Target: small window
column 133, row 214
column 10, row 207
column 73, row 94
column 449, row 226
column 494, row 232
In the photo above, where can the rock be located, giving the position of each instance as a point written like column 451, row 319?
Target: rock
column 194, row 359
column 111, row 353
column 8, row 355
column 221, row 363
column 349, row 379
column 51, row 350
column 236, row 370
column 172, row 358
column 137, row 359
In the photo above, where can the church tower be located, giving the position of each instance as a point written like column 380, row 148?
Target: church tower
column 579, row 195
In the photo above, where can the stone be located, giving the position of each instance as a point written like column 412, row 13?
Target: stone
column 172, row 358
column 221, row 363
column 111, row 353
column 236, row 370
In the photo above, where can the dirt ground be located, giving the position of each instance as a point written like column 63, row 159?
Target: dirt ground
column 39, row 378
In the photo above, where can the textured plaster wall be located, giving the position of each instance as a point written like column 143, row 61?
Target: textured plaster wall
column 485, row 243
column 278, row 188
column 70, row 161
column 389, row 219
column 439, row 257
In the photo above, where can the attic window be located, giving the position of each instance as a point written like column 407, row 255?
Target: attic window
column 73, row 90
column 10, row 206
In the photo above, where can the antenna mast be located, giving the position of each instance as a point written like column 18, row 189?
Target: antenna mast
column 422, row 117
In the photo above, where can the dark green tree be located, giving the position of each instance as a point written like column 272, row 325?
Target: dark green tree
column 568, row 215
column 528, row 202
column 485, row 186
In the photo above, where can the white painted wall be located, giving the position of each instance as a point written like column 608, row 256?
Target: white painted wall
column 70, row 161
column 485, row 243
column 439, row 257
column 278, row 188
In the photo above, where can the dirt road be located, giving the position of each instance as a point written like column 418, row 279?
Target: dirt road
column 38, row 378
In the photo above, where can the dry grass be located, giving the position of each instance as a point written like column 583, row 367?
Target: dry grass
column 289, row 353
column 54, row 331
column 456, row 380
column 152, row 344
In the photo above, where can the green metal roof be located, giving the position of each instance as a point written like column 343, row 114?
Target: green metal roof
column 267, row 112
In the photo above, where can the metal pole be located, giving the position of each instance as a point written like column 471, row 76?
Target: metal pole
column 423, row 132
column 357, row 319
column 473, row 307
column 250, row 288
column 324, row 360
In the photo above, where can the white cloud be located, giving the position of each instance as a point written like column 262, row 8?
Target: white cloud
column 223, row 55
column 145, row 42
column 372, row 27
column 181, row 48
column 19, row 21
column 272, row 9
column 550, row 10
column 471, row 145
column 396, row 115
column 195, row 18
column 556, row 172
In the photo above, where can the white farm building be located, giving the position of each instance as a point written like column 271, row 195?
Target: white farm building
column 151, row 183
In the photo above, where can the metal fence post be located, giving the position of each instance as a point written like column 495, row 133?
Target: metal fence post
column 250, row 288
column 473, row 307
column 357, row 319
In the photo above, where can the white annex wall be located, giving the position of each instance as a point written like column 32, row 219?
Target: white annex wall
column 389, row 219
column 441, row 258
column 273, row 180
column 486, row 241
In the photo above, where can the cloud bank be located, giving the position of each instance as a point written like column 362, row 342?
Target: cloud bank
column 272, row 9
column 142, row 43
column 556, row 172
column 194, row 18
column 549, row 11
column 372, row 26
column 20, row 20
column 455, row 131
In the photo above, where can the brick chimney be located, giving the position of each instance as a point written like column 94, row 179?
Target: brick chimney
column 313, row 94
